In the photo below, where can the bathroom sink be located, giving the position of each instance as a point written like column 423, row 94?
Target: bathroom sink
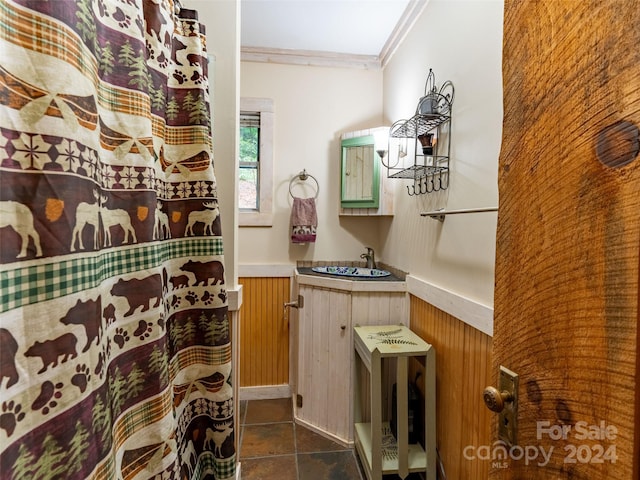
column 352, row 271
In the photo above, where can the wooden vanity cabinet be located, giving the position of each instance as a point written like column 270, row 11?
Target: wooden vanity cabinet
column 325, row 366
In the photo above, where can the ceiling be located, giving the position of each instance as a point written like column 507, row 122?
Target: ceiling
column 345, row 27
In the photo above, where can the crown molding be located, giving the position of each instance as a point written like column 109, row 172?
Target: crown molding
column 309, row 58
column 404, row 25
column 335, row 59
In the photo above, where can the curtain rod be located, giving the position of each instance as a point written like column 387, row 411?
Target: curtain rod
column 440, row 214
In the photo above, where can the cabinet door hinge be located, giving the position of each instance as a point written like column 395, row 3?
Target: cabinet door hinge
column 299, row 401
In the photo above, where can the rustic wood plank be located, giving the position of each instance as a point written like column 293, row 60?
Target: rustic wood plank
column 304, row 354
column 339, row 365
column 316, row 399
column 566, row 298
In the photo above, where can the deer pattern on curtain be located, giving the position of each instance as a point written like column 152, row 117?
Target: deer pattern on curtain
column 114, row 335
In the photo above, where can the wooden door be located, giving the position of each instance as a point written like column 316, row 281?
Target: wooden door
column 568, row 242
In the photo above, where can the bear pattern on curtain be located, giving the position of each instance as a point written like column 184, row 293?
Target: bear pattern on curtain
column 114, row 335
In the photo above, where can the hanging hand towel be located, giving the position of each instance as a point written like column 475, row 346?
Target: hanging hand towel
column 304, row 220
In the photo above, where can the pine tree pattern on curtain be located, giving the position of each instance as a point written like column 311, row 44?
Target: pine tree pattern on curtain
column 114, row 335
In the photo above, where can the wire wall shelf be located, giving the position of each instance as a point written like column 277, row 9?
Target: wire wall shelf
column 420, row 124
column 418, row 171
column 419, row 148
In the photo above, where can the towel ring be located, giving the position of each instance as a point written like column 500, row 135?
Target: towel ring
column 303, row 176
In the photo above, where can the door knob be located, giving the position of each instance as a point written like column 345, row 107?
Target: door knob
column 299, row 303
column 504, row 401
column 496, row 400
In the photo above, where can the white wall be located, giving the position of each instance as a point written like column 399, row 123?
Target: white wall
column 313, row 107
column 462, row 42
column 222, row 21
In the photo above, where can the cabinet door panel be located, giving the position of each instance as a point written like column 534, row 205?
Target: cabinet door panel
column 324, row 356
column 360, row 174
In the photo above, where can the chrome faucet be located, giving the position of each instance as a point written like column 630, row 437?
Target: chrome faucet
column 370, row 257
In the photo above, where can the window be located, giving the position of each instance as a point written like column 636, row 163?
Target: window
column 255, row 175
column 249, row 179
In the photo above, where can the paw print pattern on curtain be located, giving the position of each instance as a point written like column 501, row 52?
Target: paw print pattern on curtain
column 114, row 334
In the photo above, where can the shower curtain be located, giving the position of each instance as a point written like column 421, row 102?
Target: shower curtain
column 114, row 336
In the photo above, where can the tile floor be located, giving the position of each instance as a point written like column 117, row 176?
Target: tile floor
column 274, row 447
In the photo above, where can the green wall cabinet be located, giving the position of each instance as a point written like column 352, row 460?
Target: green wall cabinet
column 360, row 173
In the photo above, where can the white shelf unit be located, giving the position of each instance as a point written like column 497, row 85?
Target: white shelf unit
column 379, row 451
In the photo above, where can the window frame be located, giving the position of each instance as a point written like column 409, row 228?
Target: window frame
column 263, row 217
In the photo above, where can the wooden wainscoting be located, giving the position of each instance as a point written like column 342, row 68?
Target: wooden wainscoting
column 463, row 369
column 264, row 331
